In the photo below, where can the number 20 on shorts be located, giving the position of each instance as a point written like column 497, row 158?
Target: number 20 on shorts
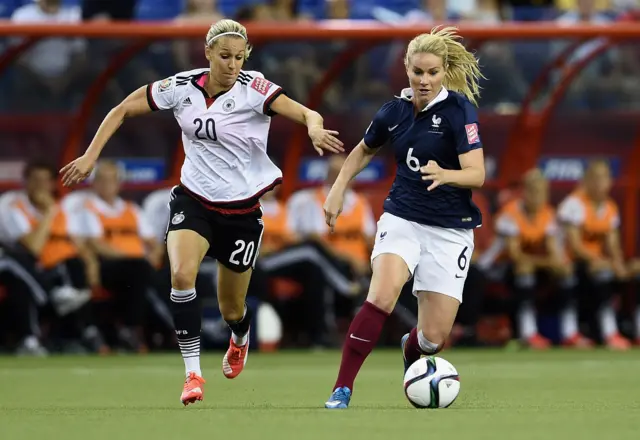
column 247, row 248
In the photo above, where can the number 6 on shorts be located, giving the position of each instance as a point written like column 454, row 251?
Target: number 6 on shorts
column 462, row 258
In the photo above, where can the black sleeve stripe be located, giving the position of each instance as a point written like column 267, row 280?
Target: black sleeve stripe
column 266, row 108
column 150, row 101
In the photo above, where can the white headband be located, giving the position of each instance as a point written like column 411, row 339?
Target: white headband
column 212, row 39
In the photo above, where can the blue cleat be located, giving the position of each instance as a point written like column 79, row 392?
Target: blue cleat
column 403, row 342
column 339, row 399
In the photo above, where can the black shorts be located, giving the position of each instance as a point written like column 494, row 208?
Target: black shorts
column 234, row 238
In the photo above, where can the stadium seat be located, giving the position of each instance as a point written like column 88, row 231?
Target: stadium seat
column 8, row 6
column 313, row 8
column 150, row 10
column 229, row 8
column 399, row 6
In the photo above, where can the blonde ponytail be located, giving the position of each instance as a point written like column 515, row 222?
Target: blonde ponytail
column 461, row 66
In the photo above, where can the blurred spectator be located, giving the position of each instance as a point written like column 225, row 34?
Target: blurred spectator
column 595, row 86
column 573, row 5
column 189, row 53
column 293, row 62
column 484, row 11
column 530, row 10
column 434, row 12
column 286, row 10
column 338, row 9
column 626, row 8
column 352, row 239
column 51, row 68
column 585, row 11
column 627, row 68
column 127, row 249
column 257, row 12
column 54, row 236
column 156, row 210
column 108, row 9
column 591, row 222
column 527, row 229
column 283, row 255
column 200, row 11
column 504, row 86
column 22, row 294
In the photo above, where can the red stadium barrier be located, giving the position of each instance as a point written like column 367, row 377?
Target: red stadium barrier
column 525, row 141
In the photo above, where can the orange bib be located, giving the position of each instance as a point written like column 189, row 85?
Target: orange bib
column 58, row 246
column 348, row 236
column 598, row 222
column 276, row 234
column 121, row 232
column 532, row 231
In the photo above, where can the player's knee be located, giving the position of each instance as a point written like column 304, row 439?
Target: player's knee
column 431, row 339
column 231, row 310
column 384, row 301
column 183, row 276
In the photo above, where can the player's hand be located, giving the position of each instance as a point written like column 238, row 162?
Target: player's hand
column 325, row 140
column 333, row 207
column 432, row 171
column 78, row 170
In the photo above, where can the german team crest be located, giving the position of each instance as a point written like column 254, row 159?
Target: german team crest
column 178, row 218
column 228, row 105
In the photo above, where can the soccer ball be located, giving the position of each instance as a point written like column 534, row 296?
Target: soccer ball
column 431, row 382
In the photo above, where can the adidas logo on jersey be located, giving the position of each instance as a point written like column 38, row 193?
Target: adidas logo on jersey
column 186, row 102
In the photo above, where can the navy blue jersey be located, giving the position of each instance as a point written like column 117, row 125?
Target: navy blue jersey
column 447, row 128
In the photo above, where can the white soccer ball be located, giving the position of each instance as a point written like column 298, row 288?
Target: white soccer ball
column 431, row 382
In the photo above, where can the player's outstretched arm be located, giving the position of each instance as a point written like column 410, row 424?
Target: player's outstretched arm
column 357, row 160
column 133, row 105
column 322, row 139
column 470, row 176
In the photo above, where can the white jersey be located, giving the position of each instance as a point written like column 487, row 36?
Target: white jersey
column 224, row 137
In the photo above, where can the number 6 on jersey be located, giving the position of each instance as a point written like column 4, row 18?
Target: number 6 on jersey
column 412, row 162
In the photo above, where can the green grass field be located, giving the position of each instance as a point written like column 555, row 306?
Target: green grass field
column 505, row 395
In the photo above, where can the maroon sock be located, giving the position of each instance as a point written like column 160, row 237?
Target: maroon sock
column 362, row 336
column 412, row 350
